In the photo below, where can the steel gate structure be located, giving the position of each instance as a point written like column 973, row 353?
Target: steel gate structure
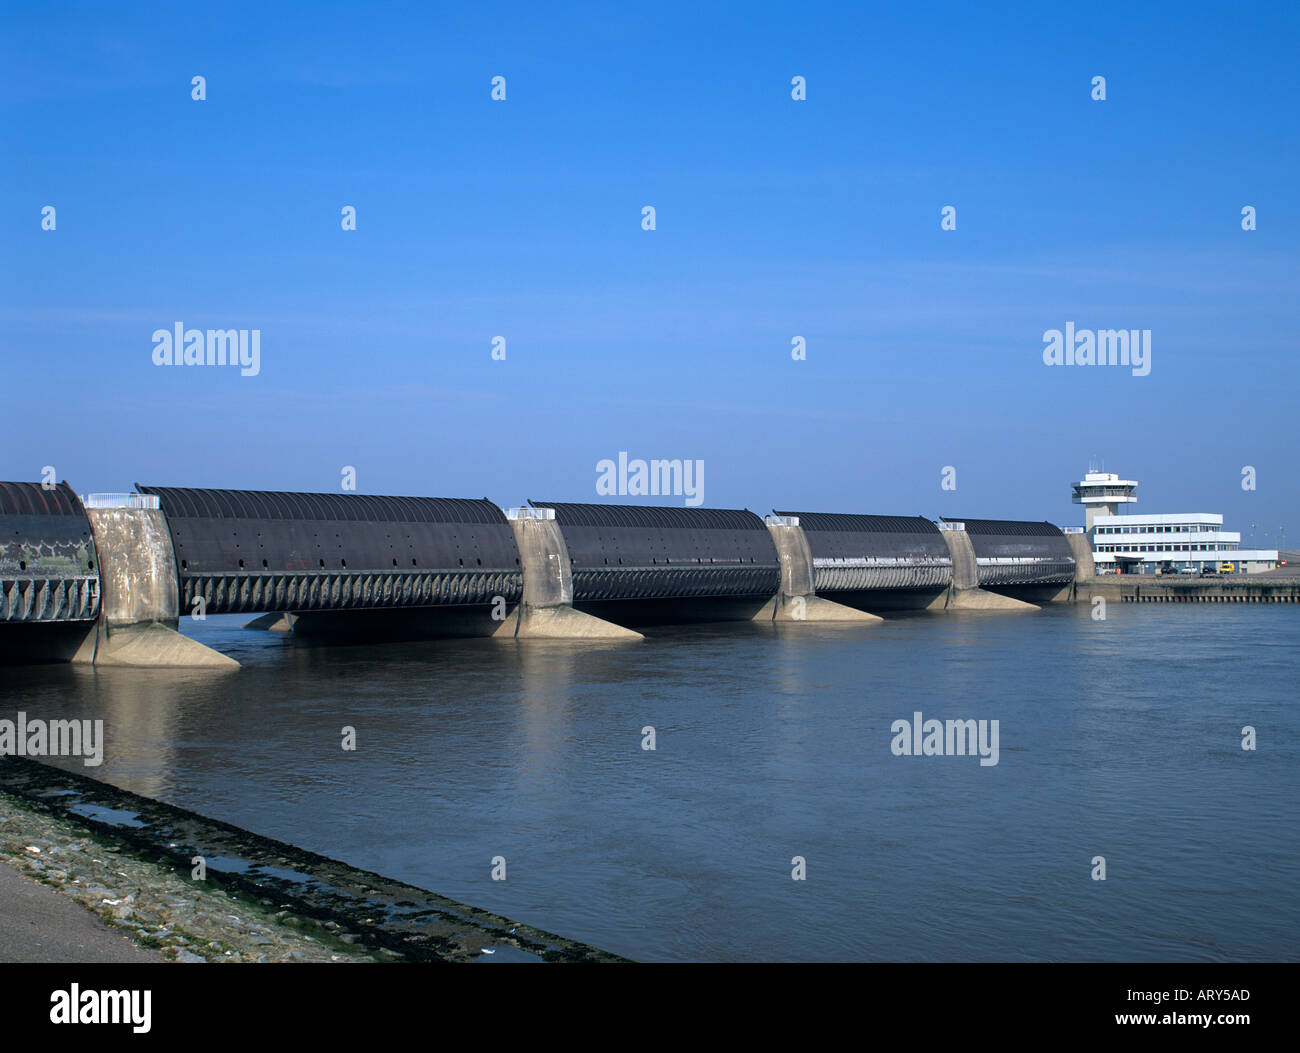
column 1015, row 552
column 859, row 552
column 48, row 569
column 635, row 552
column 249, row 551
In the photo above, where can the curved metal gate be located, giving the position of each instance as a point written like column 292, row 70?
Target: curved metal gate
column 48, row 568
column 1018, row 552
column 855, row 552
column 632, row 552
column 250, row 550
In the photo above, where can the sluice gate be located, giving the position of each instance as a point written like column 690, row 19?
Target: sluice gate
column 251, row 551
column 635, row 553
column 48, row 568
column 1012, row 552
column 871, row 552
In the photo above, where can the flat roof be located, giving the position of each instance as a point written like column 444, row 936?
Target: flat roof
column 1159, row 518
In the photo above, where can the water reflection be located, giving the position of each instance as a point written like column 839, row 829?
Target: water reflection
column 1117, row 737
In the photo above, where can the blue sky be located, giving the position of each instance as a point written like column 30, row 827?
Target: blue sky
column 775, row 218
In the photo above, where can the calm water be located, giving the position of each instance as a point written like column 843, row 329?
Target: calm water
column 1119, row 738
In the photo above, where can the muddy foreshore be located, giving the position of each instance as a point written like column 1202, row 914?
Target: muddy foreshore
column 130, row 860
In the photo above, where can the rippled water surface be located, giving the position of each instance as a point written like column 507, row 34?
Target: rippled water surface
column 1119, row 738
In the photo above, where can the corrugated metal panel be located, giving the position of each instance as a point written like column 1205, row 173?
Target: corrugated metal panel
column 33, row 499
column 654, row 552
column 657, row 517
column 1044, row 571
column 1013, row 539
column 864, row 524
column 873, row 540
column 48, row 567
column 275, row 504
column 1006, row 527
column 248, row 550
column 678, row 581
column 836, row 576
column 250, row 592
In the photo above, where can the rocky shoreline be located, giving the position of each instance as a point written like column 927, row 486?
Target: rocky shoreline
column 129, row 859
column 156, row 908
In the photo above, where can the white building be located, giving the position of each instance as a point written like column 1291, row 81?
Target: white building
column 1102, row 493
column 1147, row 544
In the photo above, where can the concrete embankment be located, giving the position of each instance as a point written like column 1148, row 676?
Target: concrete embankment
column 132, row 860
column 1148, row 588
column 69, row 894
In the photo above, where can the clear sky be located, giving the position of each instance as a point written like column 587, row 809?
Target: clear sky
column 775, row 218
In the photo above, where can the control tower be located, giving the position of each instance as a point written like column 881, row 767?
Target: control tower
column 1102, row 494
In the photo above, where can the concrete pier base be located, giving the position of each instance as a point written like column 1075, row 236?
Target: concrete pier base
column 812, row 608
column 798, row 600
column 546, row 610
column 152, row 646
column 560, row 623
column 140, row 596
column 273, row 623
column 965, row 593
column 980, row 600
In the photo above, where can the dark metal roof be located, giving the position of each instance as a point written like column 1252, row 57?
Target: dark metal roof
column 863, row 524
column 652, row 516
column 32, row 499
column 272, row 504
column 1006, row 527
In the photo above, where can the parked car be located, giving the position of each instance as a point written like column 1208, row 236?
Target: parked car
column 1188, row 570
column 1227, row 568
column 1208, row 571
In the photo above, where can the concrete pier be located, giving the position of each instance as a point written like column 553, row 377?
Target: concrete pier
column 546, row 610
column 1081, row 546
column 139, row 596
column 276, row 622
column 798, row 600
column 965, row 593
